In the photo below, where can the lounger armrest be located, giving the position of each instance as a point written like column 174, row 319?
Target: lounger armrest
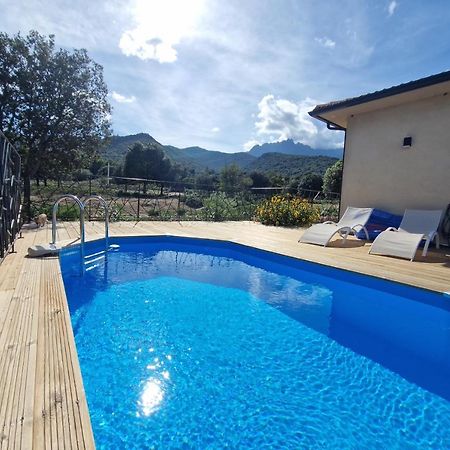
column 363, row 228
column 431, row 235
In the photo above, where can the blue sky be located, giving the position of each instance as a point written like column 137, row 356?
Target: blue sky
column 227, row 74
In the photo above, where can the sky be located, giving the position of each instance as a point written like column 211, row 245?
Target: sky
column 229, row 74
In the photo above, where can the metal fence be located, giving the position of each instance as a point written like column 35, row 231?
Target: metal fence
column 138, row 199
column 10, row 195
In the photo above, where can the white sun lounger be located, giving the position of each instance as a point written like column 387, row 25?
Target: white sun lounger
column 352, row 220
column 404, row 241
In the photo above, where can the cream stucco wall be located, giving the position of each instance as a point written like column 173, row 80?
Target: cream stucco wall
column 379, row 173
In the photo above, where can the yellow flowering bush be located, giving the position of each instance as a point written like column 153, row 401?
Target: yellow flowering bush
column 287, row 210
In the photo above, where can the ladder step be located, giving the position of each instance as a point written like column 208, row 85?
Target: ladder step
column 102, row 252
column 90, row 261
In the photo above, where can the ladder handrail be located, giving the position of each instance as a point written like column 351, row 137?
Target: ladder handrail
column 55, row 210
column 102, row 201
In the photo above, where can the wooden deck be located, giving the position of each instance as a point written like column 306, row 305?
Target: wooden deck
column 42, row 401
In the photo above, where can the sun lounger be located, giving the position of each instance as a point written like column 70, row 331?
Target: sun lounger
column 352, row 220
column 403, row 241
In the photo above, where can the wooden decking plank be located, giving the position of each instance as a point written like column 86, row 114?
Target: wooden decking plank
column 65, row 380
column 23, row 407
column 24, row 432
column 56, row 388
column 16, row 358
column 83, row 424
column 9, row 276
column 76, row 420
column 11, row 347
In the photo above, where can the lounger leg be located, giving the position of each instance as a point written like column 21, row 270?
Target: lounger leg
column 425, row 247
column 345, row 237
column 437, row 241
column 366, row 232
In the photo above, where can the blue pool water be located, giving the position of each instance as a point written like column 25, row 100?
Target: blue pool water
column 189, row 343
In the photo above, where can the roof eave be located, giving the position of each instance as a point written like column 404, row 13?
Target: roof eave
column 432, row 80
column 330, row 125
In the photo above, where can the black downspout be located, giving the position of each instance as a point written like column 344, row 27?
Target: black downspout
column 342, row 180
column 335, row 127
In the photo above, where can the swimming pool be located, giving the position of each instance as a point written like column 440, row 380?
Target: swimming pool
column 191, row 343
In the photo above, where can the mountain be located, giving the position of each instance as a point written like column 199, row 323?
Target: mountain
column 194, row 157
column 199, row 157
column 289, row 147
column 291, row 165
column 285, row 158
column 118, row 145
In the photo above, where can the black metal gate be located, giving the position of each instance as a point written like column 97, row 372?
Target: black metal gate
column 10, row 195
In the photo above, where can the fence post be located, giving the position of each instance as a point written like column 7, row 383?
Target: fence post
column 139, row 201
column 215, row 208
column 90, row 193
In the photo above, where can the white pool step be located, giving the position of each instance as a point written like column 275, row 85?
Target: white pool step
column 102, row 252
column 90, row 261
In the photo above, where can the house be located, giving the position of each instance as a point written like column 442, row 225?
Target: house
column 397, row 145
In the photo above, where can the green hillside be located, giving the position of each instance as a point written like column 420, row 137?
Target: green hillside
column 291, row 165
column 118, row 145
column 207, row 159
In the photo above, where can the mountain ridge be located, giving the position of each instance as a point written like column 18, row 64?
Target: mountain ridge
column 289, row 147
column 286, row 157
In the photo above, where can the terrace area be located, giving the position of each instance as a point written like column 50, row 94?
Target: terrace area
column 42, row 400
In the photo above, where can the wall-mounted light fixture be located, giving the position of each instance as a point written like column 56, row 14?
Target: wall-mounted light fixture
column 407, row 141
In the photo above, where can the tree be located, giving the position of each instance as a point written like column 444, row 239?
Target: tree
column 98, row 166
column 146, row 161
column 259, row 179
column 332, row 180
column 310, row 182
column 53, row 105
column 232, row 179
column 206, row 180
column 276, row 180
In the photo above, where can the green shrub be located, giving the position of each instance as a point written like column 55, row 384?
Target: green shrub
column 329, row 211
column 286, row 210
column 68, row 212
column 332, row 180
column 220, row 206
column 194, row 202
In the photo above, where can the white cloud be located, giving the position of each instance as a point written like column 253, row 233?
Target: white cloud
column 250, row 144
column 119, row 98
column 392, row 7
column 159, row 26
column 325, row 42
column 280, row 119
column 215, row 129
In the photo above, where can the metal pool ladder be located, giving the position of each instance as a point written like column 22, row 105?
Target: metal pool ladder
column 55, row 211
column 82, row 206
column 103, row 203
column 90, row 259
